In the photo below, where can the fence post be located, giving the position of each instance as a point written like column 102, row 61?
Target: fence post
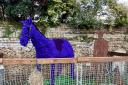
column 77, row 74
column 81, row 73
column 1, row 70
column 1, row 60
column 1, row 56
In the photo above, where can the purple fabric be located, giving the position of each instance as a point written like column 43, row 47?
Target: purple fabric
column 45, row 47
column 58, row 44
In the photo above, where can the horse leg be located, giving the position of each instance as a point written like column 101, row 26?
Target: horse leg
column 38, row 66
column 59, row 69
column 52, row 77
column 72, row 73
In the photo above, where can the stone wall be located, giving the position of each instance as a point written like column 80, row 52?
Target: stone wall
column 81, row 47
column 11, row 47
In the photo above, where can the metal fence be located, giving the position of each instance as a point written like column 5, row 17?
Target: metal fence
column 87, row 71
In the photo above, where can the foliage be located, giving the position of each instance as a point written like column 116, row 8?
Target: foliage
column 41, row 28
column 7, row 32
column 84, row 15
column 19, row 9
column 65, row 80
column 57, row 12
column 61, row 80
column 9, row 28
column 120, row 13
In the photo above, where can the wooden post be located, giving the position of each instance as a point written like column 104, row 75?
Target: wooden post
column 1, row 60
column 100, row 50
column 1, row 56
column 1, row 70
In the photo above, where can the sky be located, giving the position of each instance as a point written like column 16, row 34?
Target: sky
column 124, row 2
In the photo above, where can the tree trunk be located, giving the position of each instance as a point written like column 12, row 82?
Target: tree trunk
column 2, row 6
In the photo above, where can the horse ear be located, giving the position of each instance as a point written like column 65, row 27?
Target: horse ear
column 22, row 22
column 30, row 20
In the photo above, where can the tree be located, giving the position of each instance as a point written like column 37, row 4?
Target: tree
column 20, row 9
column 120, row 13
column 84, row 15
column 17, row 9
column 57, row 12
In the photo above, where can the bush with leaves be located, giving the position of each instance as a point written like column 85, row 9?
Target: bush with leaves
column 57, row 12
column 7, row 32
column 18, row 9
column 120, row 13
column 84, row 16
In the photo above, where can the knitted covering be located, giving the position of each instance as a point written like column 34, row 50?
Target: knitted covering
column 45, row 47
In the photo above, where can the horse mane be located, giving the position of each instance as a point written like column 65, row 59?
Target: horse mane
column 38, row 29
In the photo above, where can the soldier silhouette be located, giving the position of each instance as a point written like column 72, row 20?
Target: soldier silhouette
column 100, row 50
column 100, row 45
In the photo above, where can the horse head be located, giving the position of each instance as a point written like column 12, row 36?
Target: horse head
column 26, row 22
column 25, row 36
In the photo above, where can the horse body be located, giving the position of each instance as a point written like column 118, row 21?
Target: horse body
column 52, row 51
column 50, row 48
column 46, row 47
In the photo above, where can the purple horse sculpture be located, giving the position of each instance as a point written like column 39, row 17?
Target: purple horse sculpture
column 46, row 48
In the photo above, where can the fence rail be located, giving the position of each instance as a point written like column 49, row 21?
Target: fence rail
column 8, row 61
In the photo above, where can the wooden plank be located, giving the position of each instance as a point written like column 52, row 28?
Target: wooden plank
column 117, row 54
column 8, row 61
column 57, row 60
column 103, row 59
column 1, row 61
